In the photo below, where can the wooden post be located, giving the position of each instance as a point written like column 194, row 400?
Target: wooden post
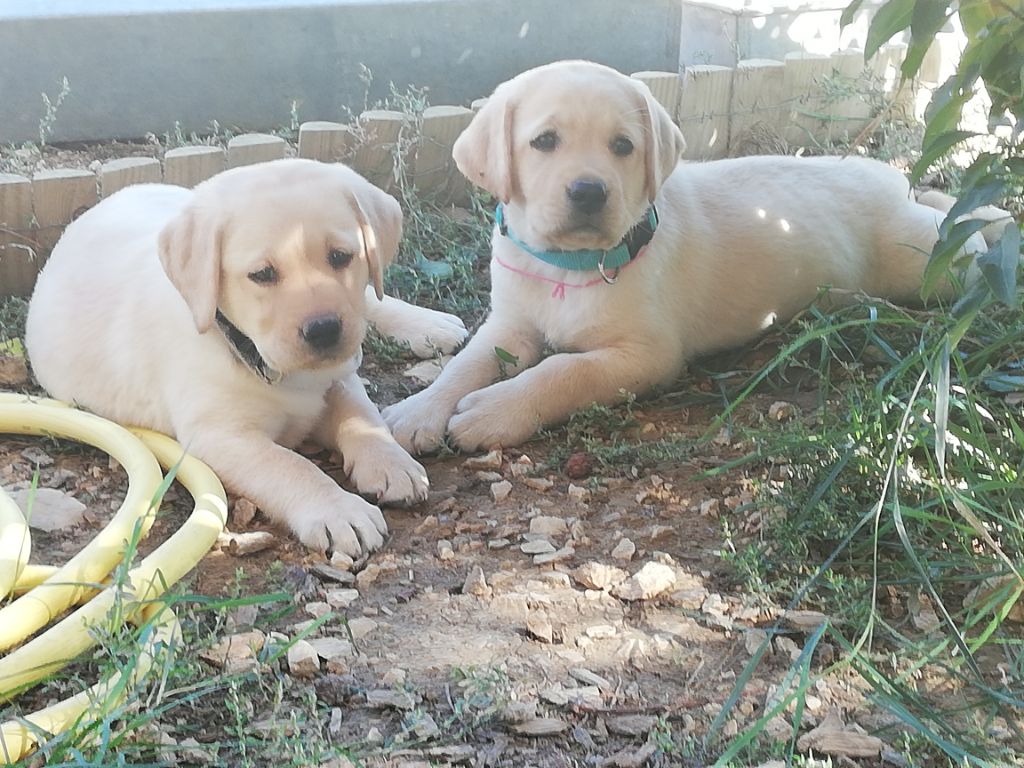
column 58, row 197
column 434, row 171
column 703, row 115
column 116, row 174
column 379, row 133
column 187, row 166
column 325, row 141
column 757, row 99
column 253, row 148
column 801, row 86
column 19, row 253
column 664, row 87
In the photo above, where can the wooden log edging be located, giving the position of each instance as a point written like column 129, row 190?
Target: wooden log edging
column 715, row 107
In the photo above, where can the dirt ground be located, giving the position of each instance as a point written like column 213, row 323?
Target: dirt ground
column 515, row 584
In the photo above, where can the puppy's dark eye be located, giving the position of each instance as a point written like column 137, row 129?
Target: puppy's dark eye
column 339, row 259
column 546, row 142
column 622, row 146
column 265, row 276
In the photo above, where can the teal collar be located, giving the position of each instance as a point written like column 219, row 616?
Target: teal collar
column 590, row 260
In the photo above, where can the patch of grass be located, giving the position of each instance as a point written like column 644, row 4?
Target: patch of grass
column 13, row 313
column 898, row 497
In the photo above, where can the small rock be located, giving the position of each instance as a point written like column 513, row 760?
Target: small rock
column 781, row 411
column 368, row 575
column 537, row 547
column 558, row 556
column 37, row 456
column 587, row 677
column 539, row 627
column 303, row 660
column 384, row 698
column 247, row 543
column 426, row 729
column 341, row 598
column 374, row 736
column 579, row 466
column 317, row 609
column 488, row 477
column 490, row 460
column 803, row 621
column 624, row 550
column 548, row 525
column 541, row 726
column 753, row 639
column 498, row 543
column 342, row 561
column 630, row 758
column 709, row 508
column 521, row 467
column 444, row 550
column 394, row 677
column 329, row 573
column 243, row 512
column 47, row 509
column 631, row 725
column 594, row 575
column 519, row 711
column 787, row 647
column 361, row 627
column 236, row 653
column 650, row 581
column 425, row 372
column 332, row 649
column 596, row 631
column 475, row 583
column 578, row 493
column 500, row 491
column 194, row 753
column 541, row 484
column 13, row 371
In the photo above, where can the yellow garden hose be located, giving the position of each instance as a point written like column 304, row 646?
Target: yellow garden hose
column 47, row 592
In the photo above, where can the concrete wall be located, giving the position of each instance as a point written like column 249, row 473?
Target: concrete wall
column 136, row 67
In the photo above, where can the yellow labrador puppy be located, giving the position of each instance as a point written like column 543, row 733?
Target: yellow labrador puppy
column 627, row 263
column 232, row 316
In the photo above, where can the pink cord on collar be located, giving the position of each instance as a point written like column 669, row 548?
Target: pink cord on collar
column 561, row 285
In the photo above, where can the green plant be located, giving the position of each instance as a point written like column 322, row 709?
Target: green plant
column 49, row 118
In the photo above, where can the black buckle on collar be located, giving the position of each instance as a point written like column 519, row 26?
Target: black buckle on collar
column 641, row 234
column 245, row 350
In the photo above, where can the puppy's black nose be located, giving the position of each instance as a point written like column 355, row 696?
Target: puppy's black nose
column 587, row 195
column 322, row 333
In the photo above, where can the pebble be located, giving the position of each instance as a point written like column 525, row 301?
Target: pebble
column 490, row 460
column 488, row 477
column 243, row 512
column 541, row 726
column 631, row 725
column 578, row 493
column 385, row 698
column 709, row 508
column 522, row 466
column 426, row 729
column 316, row 610
column 360, row 627
column 236, row 653
column 498, row 543
column 565, row 553
column 444, row 550
column 600, row 630
column 425, row 372
column 303, row 660
column 548, row 525
column 650, row 581
column 624, row 550
column 538, row 627
column 475, row 583
column 52, row 510
column 587, row 677
column 594, row 575
column 341, row 598
column 780, row 410
column 537, row 547
column 501, row 490
column 13, row 371
column 342, row 561
column 541, row 484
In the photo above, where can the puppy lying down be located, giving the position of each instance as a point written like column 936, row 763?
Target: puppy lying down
column 627, row 263
column 231, row 317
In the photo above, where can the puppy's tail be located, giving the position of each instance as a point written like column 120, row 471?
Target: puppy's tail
column 997, row 218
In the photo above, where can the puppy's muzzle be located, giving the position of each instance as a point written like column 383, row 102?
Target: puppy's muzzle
column 322, row 333
column 587, row 196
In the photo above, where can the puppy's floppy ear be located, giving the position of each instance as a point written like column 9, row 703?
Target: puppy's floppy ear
column 665, row 143
column 483, row 152
column 190, row 252
column 380, row 227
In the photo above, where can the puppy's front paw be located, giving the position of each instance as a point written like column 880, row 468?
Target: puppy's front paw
column 490, row 418
column 384, row 470
column 437, row 332
column 417, row 423
column 344, row 523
